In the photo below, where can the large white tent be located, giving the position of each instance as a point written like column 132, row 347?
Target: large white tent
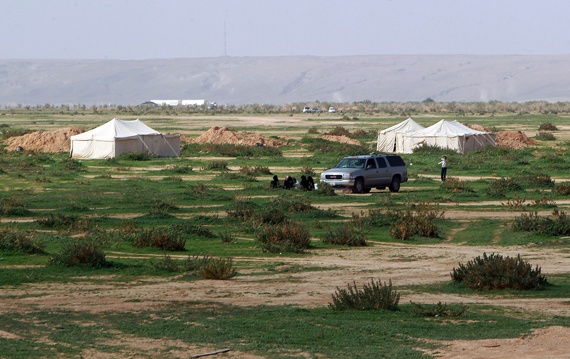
column 116, row 137
column 449, row 135
column 391, row 139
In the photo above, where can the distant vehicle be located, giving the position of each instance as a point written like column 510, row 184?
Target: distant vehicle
column 316, row 110
column 307, row 109
column 332, row 109
column 362, row 173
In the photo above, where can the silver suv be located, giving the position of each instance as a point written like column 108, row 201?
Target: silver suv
column 362, row 173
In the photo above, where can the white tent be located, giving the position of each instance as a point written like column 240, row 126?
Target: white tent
column 117, row 137
column 391, row 140
column 449, row 135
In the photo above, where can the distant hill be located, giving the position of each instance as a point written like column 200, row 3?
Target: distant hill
column 282, row 80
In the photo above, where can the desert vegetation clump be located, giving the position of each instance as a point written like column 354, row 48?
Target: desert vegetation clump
column 255, row 170
column 13, row 206
column 495, row 272
column 65, row 222
column 372, row 296
column 218, row 268
column 440, row 309
column 534, row 180
column 545, row 136
column 352, row 233
column 500, row 187
column 455, row 185
column 163, row 238
column 22, row 242
column 556, row 225
column 415, row 220
column 547, row 126
column 562, row 188
column 80, row 252
column 135, row 156
column 288, row 236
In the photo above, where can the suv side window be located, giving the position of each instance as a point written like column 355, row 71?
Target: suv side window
column 395, row 161
column 370, row 163
column 381, row 162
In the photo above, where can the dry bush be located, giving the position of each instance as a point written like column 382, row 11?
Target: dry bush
column 373, row 296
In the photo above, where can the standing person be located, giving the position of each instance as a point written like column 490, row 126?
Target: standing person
column 443, row 164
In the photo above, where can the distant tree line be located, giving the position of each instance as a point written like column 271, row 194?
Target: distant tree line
column 349, row 108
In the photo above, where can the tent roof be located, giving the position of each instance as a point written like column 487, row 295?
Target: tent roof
column 447, row 128
column 408, row 125
column 116, row 129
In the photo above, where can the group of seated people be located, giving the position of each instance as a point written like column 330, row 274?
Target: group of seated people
column 306, row 184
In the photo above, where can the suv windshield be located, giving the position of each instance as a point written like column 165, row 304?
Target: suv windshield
column 351, row 163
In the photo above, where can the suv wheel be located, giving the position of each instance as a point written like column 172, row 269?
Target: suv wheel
column 358, row 186
column 395, row 185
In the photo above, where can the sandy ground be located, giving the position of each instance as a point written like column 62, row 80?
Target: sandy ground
column 401, row 262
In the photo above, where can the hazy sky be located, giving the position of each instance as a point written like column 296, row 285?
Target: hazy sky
column 147, row 29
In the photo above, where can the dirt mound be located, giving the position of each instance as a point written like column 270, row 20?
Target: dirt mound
column 224, row 135
column 341, row 139
column 44, row 141
column 478, row 128
column 513, row 140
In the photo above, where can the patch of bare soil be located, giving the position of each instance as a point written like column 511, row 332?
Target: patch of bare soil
column 403, row 263
column 218, row 135
column 44, row 141
column 549, row 342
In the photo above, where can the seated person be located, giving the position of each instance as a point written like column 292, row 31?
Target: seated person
column 275, row 183
column 288, row 183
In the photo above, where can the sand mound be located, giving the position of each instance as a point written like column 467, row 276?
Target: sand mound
column 224, row 135
column 44, row 141
column 341, row 139
column 513, row 140
column 478, row 128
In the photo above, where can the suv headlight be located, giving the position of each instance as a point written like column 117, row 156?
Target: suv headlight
column 347, row 176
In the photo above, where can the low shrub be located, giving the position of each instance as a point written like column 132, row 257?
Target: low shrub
column 284, row 237
column 440, row 309
column 80, row 252
column 160, row 206
column 162, row 238
column 167, row 264
column 415, row 220
column 545, row 136
column 218, row 268
column 23, row 242
column 194, row 263
column 14, row 206
column 227, row 237
column 188, row 227
column 556, row 225
column 135, row 156
column 492, row 272
column 242, row 210
column 562, row 189
column 291, row 204
column 534, row 180
column 455, row 185
column 373, row 296
column 255, row 170
column 219, row 165
column 65, row 222
column 547, row 127
column 500, row 187
column 179, row 169
column 324, row 189
column 350, row 233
